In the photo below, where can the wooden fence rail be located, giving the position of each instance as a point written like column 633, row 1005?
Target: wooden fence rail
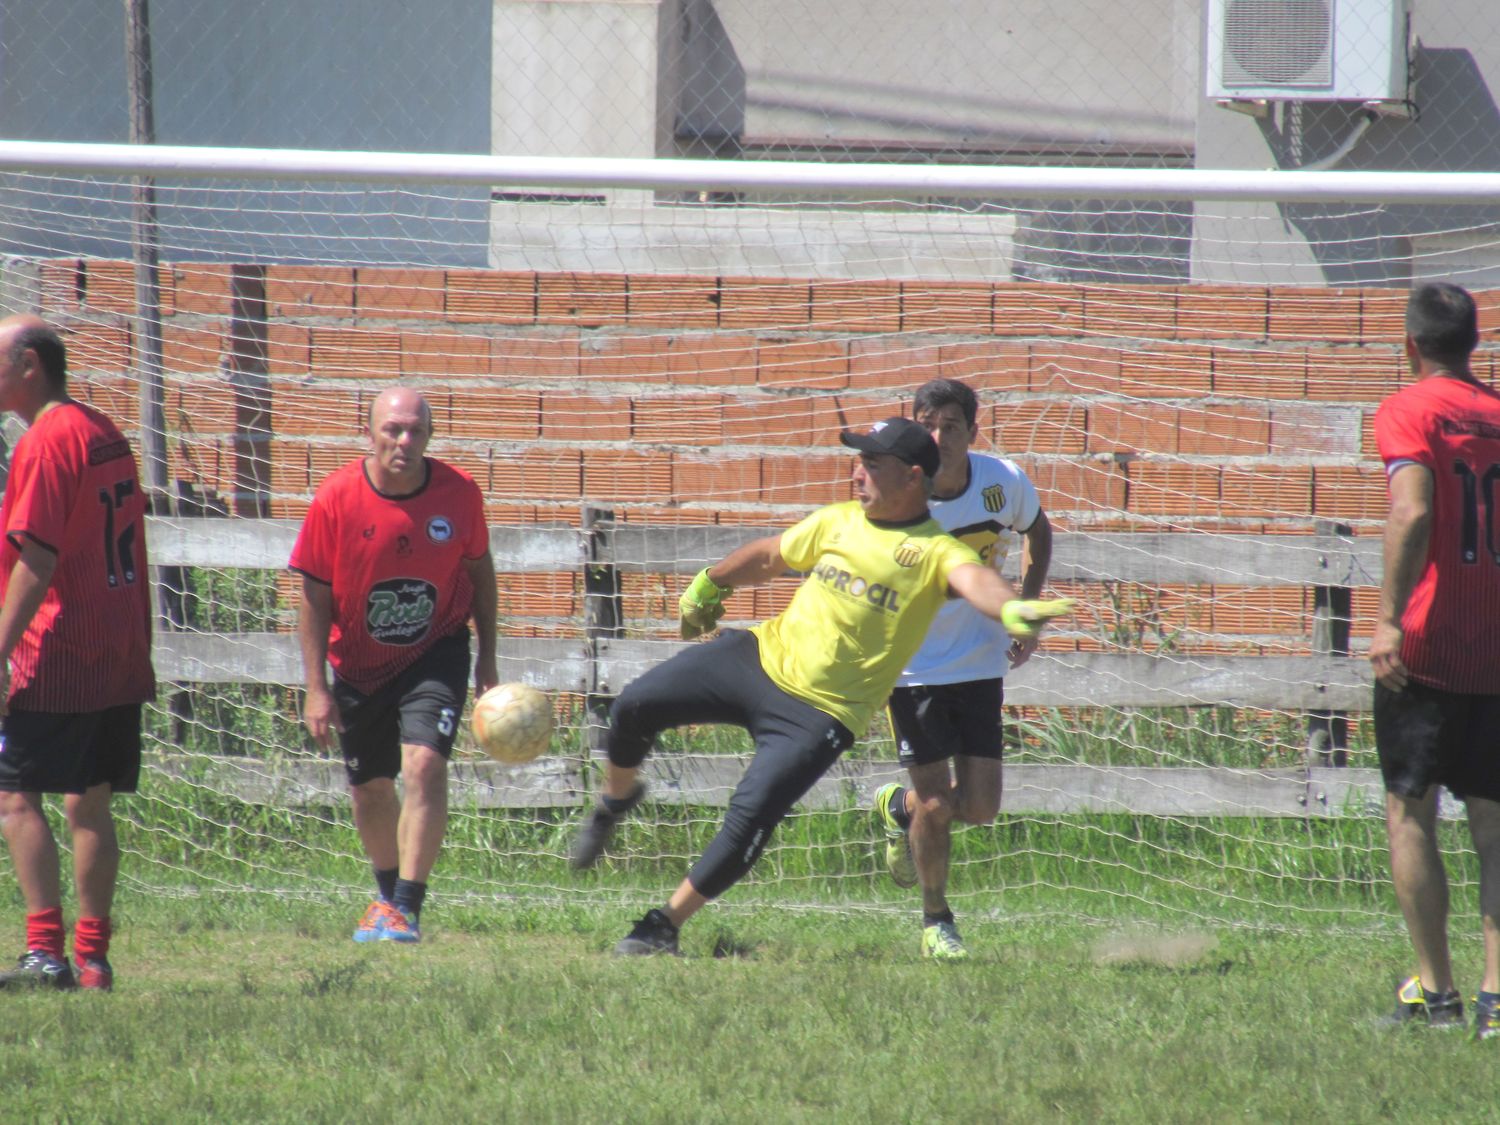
column 1322, row 684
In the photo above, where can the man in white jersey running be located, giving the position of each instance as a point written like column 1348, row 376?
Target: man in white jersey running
column 947, row 705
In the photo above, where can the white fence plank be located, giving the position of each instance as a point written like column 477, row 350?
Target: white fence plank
column 1148, row 557
column 267, row 544
column 1066, row 679
column 1093, row 679
column 275, row 658
column 708, row 780
column 303, row 782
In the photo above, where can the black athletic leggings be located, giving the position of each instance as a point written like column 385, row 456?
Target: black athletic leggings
column 722, row 681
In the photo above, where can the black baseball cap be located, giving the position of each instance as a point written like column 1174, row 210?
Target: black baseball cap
column 901, row 438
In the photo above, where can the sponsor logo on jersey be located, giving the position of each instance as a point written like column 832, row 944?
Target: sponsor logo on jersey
column 439, row 529
column 849, row 585
column 909, row 552
column 993, row 497
column 101, row 453
column 399, row 611
column 1478, row 427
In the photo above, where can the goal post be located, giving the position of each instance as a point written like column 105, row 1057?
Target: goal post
column 678, row 361
column 885, row 181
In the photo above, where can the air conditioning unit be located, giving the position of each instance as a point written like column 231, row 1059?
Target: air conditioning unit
column 1307, row 50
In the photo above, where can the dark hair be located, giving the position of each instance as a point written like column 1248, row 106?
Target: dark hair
column 1442, row 322
column 50, row 352
column 938, row 393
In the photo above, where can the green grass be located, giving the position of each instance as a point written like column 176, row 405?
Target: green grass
column 1299, row 873
column 236, row 1009
column 1127, row 968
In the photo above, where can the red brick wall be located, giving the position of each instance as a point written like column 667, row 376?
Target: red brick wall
column 719, row 400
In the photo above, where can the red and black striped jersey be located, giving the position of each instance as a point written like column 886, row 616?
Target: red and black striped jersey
column 1452, row 620
column 73, row 489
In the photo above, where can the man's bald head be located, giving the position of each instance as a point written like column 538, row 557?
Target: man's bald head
column 24, row 332
column 400, row 427
column 398, row 400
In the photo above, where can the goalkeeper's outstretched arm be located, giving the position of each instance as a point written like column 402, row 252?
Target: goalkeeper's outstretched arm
column 751, row 564
column 982, row 587
column 702, row 603
column 997, row 598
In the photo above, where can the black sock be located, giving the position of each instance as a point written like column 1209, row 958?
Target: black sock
column 934, row 919
column 386, row 882
column 616, row 805
column 661, row 916
column 898, row 808
column 409, row 897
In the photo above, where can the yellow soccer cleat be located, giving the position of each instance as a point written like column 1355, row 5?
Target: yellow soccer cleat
column 898, row 857
column 942, row 943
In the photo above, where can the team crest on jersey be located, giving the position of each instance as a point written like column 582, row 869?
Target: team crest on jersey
column 909, row 552
column 399, row 611
column 993, row 497
column 439, row 529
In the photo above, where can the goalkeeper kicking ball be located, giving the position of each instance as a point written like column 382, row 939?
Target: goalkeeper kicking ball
column 513, row 723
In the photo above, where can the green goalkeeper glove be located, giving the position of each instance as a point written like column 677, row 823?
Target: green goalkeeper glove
column 1025, row 618
column 701, row 605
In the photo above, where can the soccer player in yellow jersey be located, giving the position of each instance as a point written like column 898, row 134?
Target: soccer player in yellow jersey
column 805, row 683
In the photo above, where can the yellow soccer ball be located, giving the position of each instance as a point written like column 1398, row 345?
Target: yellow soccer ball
column 513, row 723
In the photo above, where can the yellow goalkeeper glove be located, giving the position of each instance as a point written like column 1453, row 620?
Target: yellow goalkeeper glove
column 1024, row 618
column 701, row 605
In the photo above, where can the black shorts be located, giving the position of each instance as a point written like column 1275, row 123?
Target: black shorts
column 421, row 706
column 1427, row 737
column 933, row 723
column 71, row 752
column 723, row 681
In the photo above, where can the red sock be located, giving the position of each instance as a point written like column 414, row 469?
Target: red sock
column 91, row 939
column 44, row 932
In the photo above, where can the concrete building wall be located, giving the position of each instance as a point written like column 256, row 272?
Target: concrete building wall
column 575, row 79
column 814, row 79
column 1456, row 127
column 355, row 74
column 965, row 74
column 1090, row 82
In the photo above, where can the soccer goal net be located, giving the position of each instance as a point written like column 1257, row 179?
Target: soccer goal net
column 644, row 364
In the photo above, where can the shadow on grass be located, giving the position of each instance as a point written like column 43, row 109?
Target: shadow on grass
column 727, row 945
column 340, row 979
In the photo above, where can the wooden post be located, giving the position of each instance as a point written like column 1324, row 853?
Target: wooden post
column 601, row 613
column 146, row 251
column 1328, row 731
column 247, row 372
